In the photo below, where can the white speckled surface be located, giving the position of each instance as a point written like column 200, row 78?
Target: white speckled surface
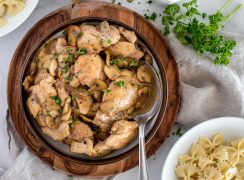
column 9, row 43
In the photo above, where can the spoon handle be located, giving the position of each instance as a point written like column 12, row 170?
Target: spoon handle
column 143, row 174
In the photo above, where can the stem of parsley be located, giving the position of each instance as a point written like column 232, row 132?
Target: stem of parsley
column 227, row 18
column 225, row 5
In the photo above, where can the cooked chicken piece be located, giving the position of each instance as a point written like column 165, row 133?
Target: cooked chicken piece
column 58, row 134
column 109, row 34
column 86, row 147
column 41, row 75
column 104, row 121
column 84, row 101
column 125, row 49
column 88, row 68
column 56, row 45
column 62, row 93
column 33, row 106
column 121, row 134
column 129, row 35
column 79, row 131
column 43, row 93
column 90, row 39
column 122, row 95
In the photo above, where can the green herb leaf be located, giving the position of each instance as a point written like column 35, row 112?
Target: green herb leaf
column 81, row 51
column 80, row 34
column 106, row 90
column 133, row 63
column 69, row 58
column 201, row 35
column 120, row 84
column 56, row 99
column 130, row 1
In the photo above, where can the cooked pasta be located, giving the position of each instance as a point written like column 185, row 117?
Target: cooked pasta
column 212, row 159
column 10, row 8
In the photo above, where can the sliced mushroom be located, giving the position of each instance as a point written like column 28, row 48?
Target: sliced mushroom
column 97, row 95
column 73, row 33
column 143, row 91
column 112, row 72
column 148, row 59
column 144, row 75
column 27, row 82
column 100, row 85
column 108, row 57
column 53, row 67
column 86, row 119
column 84, row 101
column 67, row 110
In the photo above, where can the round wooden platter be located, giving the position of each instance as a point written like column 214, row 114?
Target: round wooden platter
column 94, row 9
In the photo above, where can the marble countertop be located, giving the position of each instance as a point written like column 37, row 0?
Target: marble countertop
column 9, row 43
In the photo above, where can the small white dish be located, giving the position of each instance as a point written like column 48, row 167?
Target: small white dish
column 231, row 127
column 17, row 20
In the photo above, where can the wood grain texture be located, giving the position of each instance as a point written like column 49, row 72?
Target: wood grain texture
column 84, row 9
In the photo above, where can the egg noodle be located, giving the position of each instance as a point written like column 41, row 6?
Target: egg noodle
column 10, row 8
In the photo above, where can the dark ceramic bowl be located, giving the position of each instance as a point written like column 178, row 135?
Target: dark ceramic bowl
column 60, row 148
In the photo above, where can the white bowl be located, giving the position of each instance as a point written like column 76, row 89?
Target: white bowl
column 231, row 127
column 17, row 20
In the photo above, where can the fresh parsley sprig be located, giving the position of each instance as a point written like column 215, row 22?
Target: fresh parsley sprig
column 192, row 29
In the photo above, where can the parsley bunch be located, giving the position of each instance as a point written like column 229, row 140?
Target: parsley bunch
column 193, row 28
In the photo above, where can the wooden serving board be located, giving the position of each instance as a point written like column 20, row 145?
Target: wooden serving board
column 95, row 9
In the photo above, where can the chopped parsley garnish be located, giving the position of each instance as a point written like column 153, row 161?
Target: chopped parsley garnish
column 152, row 17
column 133, row 63
column 130, row 1
column 45, row 44
column 123, row 58
column 81, row 51
column 113, row 1
column 106, row 90
column 64, row 69
column 68, row 50
column 109, row 41
column 113, row 61
column 120, row 84
column 68, row 78
column 65, row 32
column 178, row 132
column 55, row 56
column 80, row 34
column 56, row 99
column 149, row 2
column 202, row 35
column 69, row 58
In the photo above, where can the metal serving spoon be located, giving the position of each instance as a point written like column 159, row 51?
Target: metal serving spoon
column 144, row 115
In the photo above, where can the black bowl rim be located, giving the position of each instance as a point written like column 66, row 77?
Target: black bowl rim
column 61, row 27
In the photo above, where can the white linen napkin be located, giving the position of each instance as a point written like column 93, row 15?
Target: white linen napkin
column 207, row 91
